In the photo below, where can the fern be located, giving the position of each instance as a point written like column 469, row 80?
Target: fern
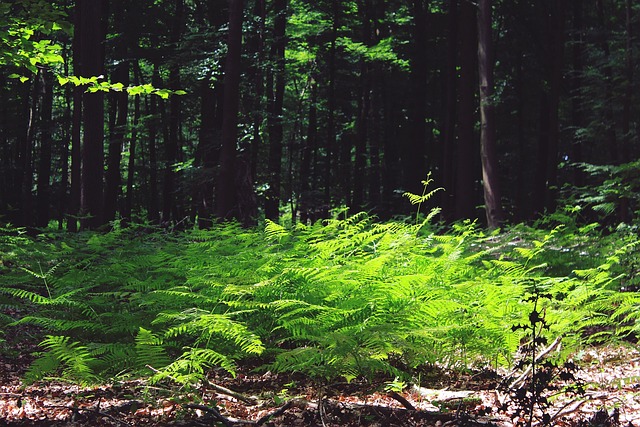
column 73, row 358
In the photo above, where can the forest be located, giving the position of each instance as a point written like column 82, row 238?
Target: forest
column 324, row 213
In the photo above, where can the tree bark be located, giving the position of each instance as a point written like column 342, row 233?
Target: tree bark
column 44, row 169
column 119, row 104
column 226, row 194
column 27, row 218
column 275, row 118
column 76, row 125
column 448, row 178
column 544, row 194
column 465, row 165
column 92, row 51
column 170, row 202
column 488, row 155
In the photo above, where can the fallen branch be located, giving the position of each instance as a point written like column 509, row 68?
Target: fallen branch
column 229, row 392
column 218, row 388
column 213, row 411
column 514, row 384
column 94, row 411
column 404, row 402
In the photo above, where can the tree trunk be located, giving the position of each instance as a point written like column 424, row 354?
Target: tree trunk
column 154, row 125
column 465, row 165
column 544, row 195
column 488, row 155
column 44, row 169
column 169, row 196
column 275, row 118
column 119, row 103
column 331, row 105
column 92, row 64
column 27, row 157
column 131, row 166
column 76, row 125
column 577, row 120
column 414, row 154
column 226, row 195
column 307, row 173
column 449, row 122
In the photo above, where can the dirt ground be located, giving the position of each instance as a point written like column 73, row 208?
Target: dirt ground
column 612, row 398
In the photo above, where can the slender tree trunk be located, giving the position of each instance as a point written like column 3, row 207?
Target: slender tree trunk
column 465, row 176
column 226, row 195
column 544, row 196
column 331, row 105
column 76, row 125
column 44, row 169
column 91, row 199
column 119, row 103
column 63, row 196
column 169, row 196
column 27, row 157
column 117, row 131
column 256, row 77
column 576, row 85
column 625, row 211
column 275, row 118
column 307, row 174
column 609, row 118
column 449, row 121
column 414, row 154
column 133, row 141
column 362, row 133
column 154, row 126
column 6, row 167
column 488, row 155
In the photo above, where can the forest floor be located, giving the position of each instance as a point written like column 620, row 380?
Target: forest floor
column 612, row 398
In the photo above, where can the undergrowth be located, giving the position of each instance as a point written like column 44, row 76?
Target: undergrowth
column 347, row 297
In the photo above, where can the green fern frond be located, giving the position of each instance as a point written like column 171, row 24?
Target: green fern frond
column 274, row 231
column 72, row 357
column 149, row 350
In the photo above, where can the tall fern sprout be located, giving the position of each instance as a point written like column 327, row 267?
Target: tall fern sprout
column 425, row 196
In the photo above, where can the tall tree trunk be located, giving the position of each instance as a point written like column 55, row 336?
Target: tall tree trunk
column 414, row 154
column 307, row 173
column 625, row 211
column 331, row 105
column 27, row 156
column 92, row 51
column 577, row 120
column 76, row 124
column 544, row 195
column 44, row 169
column 170, row 200
column 488, row 155
column 465, row 155
column 609, row 118
column 119, row 103
column 362, row 133
column 63, row 197
column 256, row 77
column 275, row 118
column 226, row 194
column 117, row 130
column 133, row 141
column 449, row 121
column 154, row 126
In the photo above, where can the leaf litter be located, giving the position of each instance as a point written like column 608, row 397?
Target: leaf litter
column 612, row 398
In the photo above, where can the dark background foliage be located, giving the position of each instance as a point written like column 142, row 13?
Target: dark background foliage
column 297, row 107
